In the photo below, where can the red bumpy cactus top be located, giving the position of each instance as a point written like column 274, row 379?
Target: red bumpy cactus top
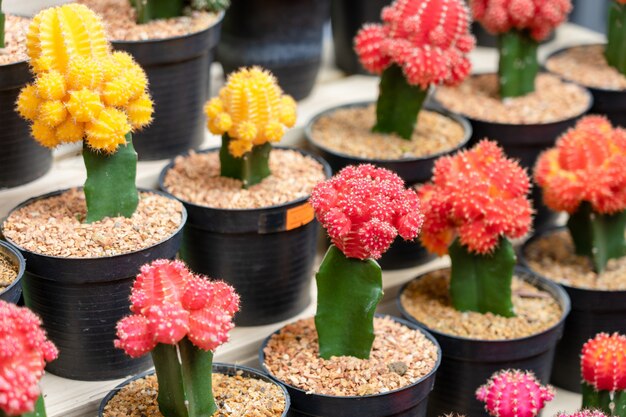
column 539, row 17
column 479, row 195
column 603, row 362
column 514, row 394
column 364, row 208
column 587, row 164
column 24, row 351
column 428, row 39
column 170, row 303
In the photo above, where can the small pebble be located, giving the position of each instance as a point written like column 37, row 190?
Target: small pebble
column 8, row 272
column 398, row 367
column 14, row 50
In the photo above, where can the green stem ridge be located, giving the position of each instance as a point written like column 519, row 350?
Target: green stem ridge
column 518, row 66
column 185, row 382
column 399, row 104
column 148, row 10
column 593, row 399
column 348, row 291
column 619, row 400
column 482, row 283
column 1, row 26
column 39, row 411
column 251, row 168
column 615, row 52
column 598, row 236
column 110, row 189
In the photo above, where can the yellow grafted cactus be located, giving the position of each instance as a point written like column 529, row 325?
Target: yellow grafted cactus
column 82, row 90
column 251, row 109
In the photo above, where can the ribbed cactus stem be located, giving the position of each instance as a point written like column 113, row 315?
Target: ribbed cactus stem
column 110, row 189
column 482, row 283
column 251, row 168
column 148, row 10
column 616, row 45
column 1, row 26
column 518, row 66
column 39, row 411
column 185, row 383
column 348, row 291
column 399, row 104
column 598, row 236
column 597, row 399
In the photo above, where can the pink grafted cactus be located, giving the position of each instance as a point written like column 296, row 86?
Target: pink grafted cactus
column 428, row 39
column 24, row 351
column 170, row 303
column 364, row 208
column 514, row 393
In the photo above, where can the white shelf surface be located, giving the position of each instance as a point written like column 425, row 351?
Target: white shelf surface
column 68, row 398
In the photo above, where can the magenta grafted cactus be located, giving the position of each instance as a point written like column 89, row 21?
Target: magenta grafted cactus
column 514, row 393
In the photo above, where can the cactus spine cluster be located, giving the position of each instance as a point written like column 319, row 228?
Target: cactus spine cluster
column 420, row 43
column 82, row 91
column 603, row 367
column 476, row 202
column 363, row 209
column 521, row 25
column 148, row 10
column 24, row 351
column 615, row 51
column 514, row 393
column 585, row 175
column 180, row 318
column 250, row 113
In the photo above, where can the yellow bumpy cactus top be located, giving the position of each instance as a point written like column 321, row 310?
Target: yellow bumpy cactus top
column 82, row 90
column 252, row 109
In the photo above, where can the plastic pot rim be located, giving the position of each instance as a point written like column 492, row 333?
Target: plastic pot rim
column 25, row 203
column 10, row 247
column 400, row 320
column 564, row 303
column 460, row 119
column 262, row 376
column 325, row 167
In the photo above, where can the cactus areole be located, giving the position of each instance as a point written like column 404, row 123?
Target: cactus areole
column 603, row 367
column 83, row 91
column 24, row 351
column 180, row 318
column 363, row 209
column 476, row 202
column 585, row 176
column 420, row 43
column 615, row 52
column 520, row 25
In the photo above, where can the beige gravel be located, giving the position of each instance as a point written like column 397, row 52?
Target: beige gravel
column 478, row 97
column 196, row 178
column 15, row 40
column 554, row 257
column 235, row 396
column 53, row 226
column 348, row 131
column 587, row 65
column 429, row 302
column 8, row 272
column 119, row 18
column 400, row 356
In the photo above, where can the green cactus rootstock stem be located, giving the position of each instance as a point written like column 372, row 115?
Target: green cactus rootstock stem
column 598, row 400
column 399, row 104
column 184, row 377
column 110, row 189
column 616, row 46
column 482, row 283
column 251, row 168
column 348, row 291
column 518, row 66
column 598, row 236
column 39, row 411
column 1, row 26
column 148, row 10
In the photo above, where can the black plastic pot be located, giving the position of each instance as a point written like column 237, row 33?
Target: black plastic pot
column 80, row 301
column 268, row 261
column 593, row 311
column 220, row 368
column 22, row 159
column 611, row 103
column 283, row 36
column 347, row 17
column 468, row 363
column 178, row 70
column 13, row 292
column 409, row 401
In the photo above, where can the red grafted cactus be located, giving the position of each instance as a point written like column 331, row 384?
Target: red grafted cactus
column 603, row 362
column 514, row 393
column 364, row 208
column 24, row 351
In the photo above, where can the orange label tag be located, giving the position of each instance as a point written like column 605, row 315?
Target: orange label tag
column 299, row 216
